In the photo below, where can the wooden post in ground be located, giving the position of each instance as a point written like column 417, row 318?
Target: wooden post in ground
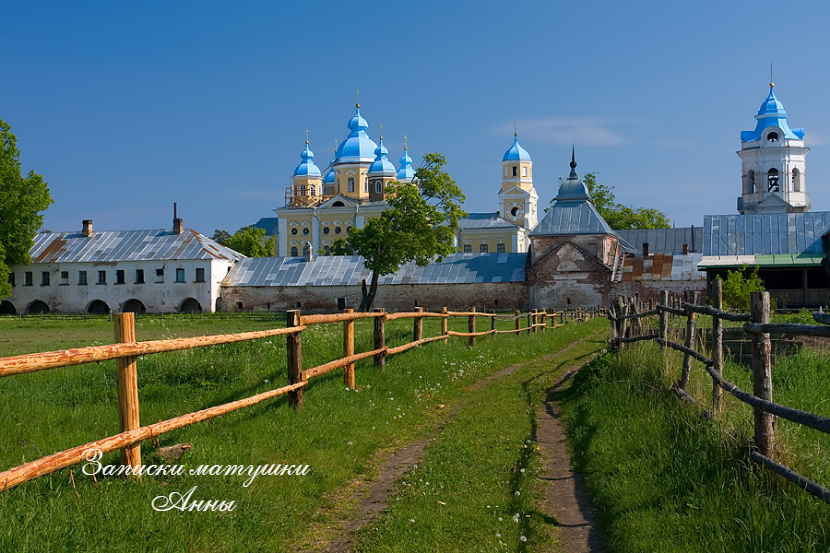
column 664, row 319
column 622, row 310
column 579, row 315
column 471, row 328
column 717, row 343
column 544, row 320
column 493, row 322
column 444, row 323
column 127, row 383
column 535, row 321
column 762, row 373
column 418, row 328
column 294, row 347
column 380, row 339
column 518, row 319
column 690, row 343
column 348, row 350
column 529, row 322
column 612, row 334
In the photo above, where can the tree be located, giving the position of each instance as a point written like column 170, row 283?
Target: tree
column 618, row 216
column 250, row 241
column 21, row 202
column 221, row 236
column 738, row 285
column 419, row 225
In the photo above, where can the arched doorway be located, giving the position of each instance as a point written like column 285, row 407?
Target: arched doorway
column 37, row 307
column 98, row 307
column 7, row 308
column 133, row 306
column 190, row 306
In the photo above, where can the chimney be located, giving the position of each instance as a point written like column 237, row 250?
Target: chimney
column 308, row 253
column 177, row 223
column 685, row 249
column 87, row 227
column 645, row 249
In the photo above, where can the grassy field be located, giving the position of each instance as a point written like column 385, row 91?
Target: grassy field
column 337, row 433
column 664, row 478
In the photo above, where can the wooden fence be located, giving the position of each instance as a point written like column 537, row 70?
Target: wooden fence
column 626, row 327
column 126, row 350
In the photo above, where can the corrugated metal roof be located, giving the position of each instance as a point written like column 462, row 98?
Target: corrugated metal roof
column 126, row 245
column 667, row 240
column 484, row 221
column 333, row 270
column 572, row 217
column 764, row 234
column 664, row 267
column 268, row 224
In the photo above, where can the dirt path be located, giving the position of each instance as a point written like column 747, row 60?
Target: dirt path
column 399, row 462
column 565, row 495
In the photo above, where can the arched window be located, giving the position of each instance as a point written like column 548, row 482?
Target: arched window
column 797, row 185
column 313, row 190
column 750, row 182
column 772, row 180
column 327, row 250
column 351, row 184
column 294, row 252
column 379, row 187
column 302, row 190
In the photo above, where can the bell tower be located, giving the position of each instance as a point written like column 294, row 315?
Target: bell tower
column 773, row 164
column 518, row 198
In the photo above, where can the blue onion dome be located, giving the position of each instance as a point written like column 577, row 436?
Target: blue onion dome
column 516, row 152
column 407, row 173
column 357, row 146
column 573, row 188
column 307, row 166
column 772, row 105
column 772, row 114
column 382, row 165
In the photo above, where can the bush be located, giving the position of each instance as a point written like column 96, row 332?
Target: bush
column 738, row 285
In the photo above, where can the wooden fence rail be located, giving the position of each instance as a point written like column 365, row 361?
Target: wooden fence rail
column 127, row 350
column 623, row 312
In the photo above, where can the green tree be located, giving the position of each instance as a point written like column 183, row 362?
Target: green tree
column 738, row 285
column 618, row 216
column 221, row 236
column 250, row 241
column 21, row 202
column 419, row 225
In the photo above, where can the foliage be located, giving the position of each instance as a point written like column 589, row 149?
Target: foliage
column 618, row 216
column 419, row 225
column 21, row 202
column 221, row 236
column 738, row 285
column 249, row 241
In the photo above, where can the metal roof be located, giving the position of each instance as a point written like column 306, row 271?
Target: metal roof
column 662, row 267
column 572, row 217
column 268, row 224
column 484, row 221
column 333, row 270
column 126, row 245
column 666, row 240
column 764, row 234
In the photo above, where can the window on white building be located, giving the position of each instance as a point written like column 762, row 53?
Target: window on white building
column 82, row 278
column 119, row 276
column 27, row 278
column 64, row 277
column 45, row 278
column 102, row 277
column 200, row 274
column 179, row 275
column 139, row 276
column 160, row 275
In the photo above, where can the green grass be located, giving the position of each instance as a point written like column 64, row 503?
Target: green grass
column 664, row 478
column 336, row 433
column 477, row 487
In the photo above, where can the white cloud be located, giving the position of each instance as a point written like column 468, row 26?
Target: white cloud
column 585, row 131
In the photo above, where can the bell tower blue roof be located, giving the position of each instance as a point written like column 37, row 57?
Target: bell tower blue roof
column 772, row 114
column 382, row 165
column 357, row 146
column 307, row 168
column 516, row 152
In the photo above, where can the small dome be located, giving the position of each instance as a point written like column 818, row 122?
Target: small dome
column 307, row 166
column 573, row 188
column 772, row 105
column 357, row 146
column 406, row 173
column 516, row 152
column 381, row 165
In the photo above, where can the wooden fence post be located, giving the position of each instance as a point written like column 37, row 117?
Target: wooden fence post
column 518, row 316
column 579, row 315
column 493, row 322
column 622, row 310
column 612, row 334
column 294, row 347
column 529, row 322
column 418, row 329
column 690, row 343
column 444, row 324
column 535, row 321
column 664, row 319
column 544, row 320
column 471, row 328
column 348, row 350
column 762, row 373
column 717, row 344
column 127, row 383
column 380, row 339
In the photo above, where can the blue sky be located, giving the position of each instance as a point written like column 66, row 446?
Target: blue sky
column 126, row 108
